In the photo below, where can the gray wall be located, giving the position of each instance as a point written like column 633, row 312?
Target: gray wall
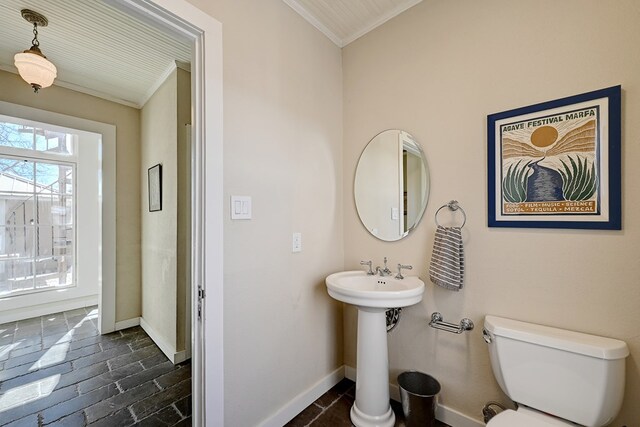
column 165, row 233
column 437, row 71
column 282, row 146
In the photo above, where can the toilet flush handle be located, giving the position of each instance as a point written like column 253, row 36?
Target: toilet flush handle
column 486, row 335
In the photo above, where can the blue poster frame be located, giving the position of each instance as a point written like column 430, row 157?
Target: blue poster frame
column 613, row 133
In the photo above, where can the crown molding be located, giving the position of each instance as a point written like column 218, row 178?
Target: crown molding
column 302, row 11
column 82, row 89
column 384, row 18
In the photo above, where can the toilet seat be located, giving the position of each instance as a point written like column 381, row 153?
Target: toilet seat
column 525, row 417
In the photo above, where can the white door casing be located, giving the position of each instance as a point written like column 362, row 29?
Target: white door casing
column 181, row 18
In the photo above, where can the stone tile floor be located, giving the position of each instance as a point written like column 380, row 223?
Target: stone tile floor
column 57, row 370
column 332, row 409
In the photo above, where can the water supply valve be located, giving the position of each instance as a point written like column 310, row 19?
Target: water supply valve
column 486, row 335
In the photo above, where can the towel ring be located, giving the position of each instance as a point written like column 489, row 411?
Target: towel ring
column 453, row 206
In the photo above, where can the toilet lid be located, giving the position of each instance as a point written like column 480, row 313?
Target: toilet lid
column 510, row 418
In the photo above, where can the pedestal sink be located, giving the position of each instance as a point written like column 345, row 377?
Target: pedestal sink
column 373, row 295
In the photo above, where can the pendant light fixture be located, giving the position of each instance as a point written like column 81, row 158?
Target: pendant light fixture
column 32, row 65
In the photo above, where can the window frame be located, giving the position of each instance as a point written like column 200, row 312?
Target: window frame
column 33, row 155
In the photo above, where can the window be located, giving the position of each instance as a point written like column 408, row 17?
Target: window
column 37, row 208
column 22, row 136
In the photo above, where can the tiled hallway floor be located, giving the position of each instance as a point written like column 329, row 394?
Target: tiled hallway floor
column 332, row 409
column 57, row 370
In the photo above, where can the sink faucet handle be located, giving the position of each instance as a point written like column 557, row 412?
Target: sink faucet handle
column 369, row 263
column 399, row 276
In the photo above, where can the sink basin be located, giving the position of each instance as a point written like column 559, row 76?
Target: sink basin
column 360, row 289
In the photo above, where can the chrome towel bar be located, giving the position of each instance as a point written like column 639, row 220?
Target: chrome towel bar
column 437, row 323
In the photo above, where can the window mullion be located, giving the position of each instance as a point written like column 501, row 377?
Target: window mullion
column 32, row 222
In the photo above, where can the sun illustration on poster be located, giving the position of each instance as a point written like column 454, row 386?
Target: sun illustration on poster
column 544, row 136
column 549, row 161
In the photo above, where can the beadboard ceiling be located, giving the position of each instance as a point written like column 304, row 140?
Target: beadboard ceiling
column 97, row 48
column 344, row 21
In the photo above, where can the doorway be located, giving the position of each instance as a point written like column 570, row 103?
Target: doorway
column 205, row 33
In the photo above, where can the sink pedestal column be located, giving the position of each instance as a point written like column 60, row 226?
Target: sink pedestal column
column 372, row 408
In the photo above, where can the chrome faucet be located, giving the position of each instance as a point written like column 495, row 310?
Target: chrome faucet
column 386, row 270
column 383, row 271
column 399, row 276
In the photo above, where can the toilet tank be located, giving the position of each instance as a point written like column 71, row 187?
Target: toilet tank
column 567, row 374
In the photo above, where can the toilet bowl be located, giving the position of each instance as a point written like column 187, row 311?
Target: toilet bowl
column 557, row 377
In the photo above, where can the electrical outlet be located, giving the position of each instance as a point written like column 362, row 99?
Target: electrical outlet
column 297, row 242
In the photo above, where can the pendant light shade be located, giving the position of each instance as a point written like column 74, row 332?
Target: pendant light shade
column 35, row 69
column 32, row 65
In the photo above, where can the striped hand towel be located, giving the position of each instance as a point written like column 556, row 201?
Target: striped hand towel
column 447, row 261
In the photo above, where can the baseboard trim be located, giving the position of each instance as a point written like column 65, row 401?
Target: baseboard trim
column 454, row 418
column 49, row 308
column 443, row 413
column 174, row 356
column 126, row 324
column 350, row 372
column 304, row 399
column 181, row 356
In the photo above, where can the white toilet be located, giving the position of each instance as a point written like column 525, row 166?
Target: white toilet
column 557, row 377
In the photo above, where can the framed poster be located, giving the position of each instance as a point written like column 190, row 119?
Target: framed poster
column 557, row 164
column 154, row 175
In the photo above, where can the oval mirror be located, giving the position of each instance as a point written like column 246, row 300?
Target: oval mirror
column 391, row 187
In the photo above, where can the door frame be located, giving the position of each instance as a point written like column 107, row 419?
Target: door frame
column 184, row 20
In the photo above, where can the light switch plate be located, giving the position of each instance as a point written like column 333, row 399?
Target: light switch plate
column 240, row 207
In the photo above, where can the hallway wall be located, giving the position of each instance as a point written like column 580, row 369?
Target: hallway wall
column 165, row 233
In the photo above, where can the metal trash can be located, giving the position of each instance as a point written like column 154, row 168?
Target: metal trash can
column 418, row 393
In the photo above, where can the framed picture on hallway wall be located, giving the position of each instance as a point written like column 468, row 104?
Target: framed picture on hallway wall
column 557, row 164
column 154, row 175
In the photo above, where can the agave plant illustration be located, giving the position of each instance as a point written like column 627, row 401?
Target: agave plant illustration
column 514, row 184
column 578, row 182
